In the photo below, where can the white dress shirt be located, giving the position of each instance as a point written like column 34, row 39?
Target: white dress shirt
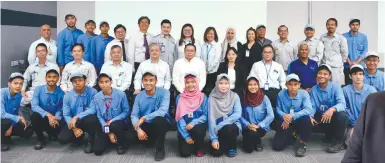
column 316, row 49
column 285, row 53
column 121, row 74
column 162, row 70
column 107, row 52
column 51, row 47
column 86, row 68
column 180, row 49
column 183, row 66
column 336, row 50
column 36, row 73
column 136, row 49
column 231, row 73
column 211, row 56
column 271, row 74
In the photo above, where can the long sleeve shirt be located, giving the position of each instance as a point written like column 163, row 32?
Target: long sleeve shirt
column 199, row 116
column 65, row 39
column 180, row 48
column 85, row 39
column 377, row 80
column 211, row 56
column 151, row 106
column 51, row 48
column 121, row 74
column 336, row 50
column 45, row 102
column 323, row 99
column 285, row 52
column 300, row 103
column 357, row 46
column 161, row 69
column 75, row 104
column 316, row 49
column 355, row 101
column 307, row 73
column 36, row 73
column 272, row 73
column 107, row 53
column 118, row 106
column 84, row 67
column 233, row 117
column 136, row 48
column 98, row 47
column 167, row 48
column 261, row 115
column 183, row 66
column 10, row 105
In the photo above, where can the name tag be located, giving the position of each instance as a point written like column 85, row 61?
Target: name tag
column 190, row 115
column 107, row 129
column 276, row 51
column 322, row 108
column 266, row 86
column 292, row 110
column 163, row 48
column 247, row 53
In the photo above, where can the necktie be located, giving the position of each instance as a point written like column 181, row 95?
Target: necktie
column 124, row 51
column 147, row 54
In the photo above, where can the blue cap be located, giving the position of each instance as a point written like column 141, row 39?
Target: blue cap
column 354, row 19
column 77, row 75
column 291, row 77
column 309, row 26
column 15, row 75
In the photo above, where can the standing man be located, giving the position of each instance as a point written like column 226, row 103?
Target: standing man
column 98, row 46
column 261, row 35
column 167, row 44
column 374, row 76
column 285, row 50
column 65, row 39
column 357, row 46
column 335, row 52
column 138, row 50
column 316, row 47
column 45, row 33
column 85, row 39
column 120, row 39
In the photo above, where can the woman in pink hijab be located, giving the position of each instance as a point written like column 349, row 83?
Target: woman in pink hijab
column 191, row 118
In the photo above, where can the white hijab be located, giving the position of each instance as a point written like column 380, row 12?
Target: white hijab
column 233, row 43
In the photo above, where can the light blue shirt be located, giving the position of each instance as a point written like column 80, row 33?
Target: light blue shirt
column 75, row 104
column 357, row 46
column 332, row 96
column 211, row 55
column 261, row 115
column 98, row 47
column 10, row 105
column 233, row 117
column 45, row 102
column 151, row 106
column 85, row 39
column 377, row 80
column 300, row 103
column 65, row 39
column 355, row 101
column 199, row 116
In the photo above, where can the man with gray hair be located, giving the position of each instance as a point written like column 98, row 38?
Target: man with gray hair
column 316, row 47
column 45, row 33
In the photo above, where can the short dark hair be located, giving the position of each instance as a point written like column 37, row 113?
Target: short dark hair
column 283, row 26
column 149, row 74
column 103, row 75
column 208, row 29
column 323, row 67
column 90, row 21
column 119, row 26
column 354, row 70
column 84, row 77
column 77, row 44
column 267, row 46
column 195, row 48
column 52, row 71
column 68, row 16
column 355, row 21
column 41, row 44
column 143, row 17
column 115, row 46
column 332, row 19
column 102, row 23
column 247, row 32
column 235, row 51
column 165, row 21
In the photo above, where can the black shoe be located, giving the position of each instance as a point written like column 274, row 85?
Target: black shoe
column 52, row 138
column 335, row 147
column 120, row 150
column 301, row 150
column 88, row 148
column 39, row 145
column 159, row 155
column 259, row 148
column 5, row 147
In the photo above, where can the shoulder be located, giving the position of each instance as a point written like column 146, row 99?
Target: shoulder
column 265, row 98
column 98, row 95
column 303, row 93
column 282, row 92
column 371, row 89
column 126, row 65
column 162, row 91
column 91, row 90
column 347, row 88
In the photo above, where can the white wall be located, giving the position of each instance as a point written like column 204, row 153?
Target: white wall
column 81, row 9
column 381, row 31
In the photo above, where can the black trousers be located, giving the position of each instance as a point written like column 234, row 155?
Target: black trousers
column 88, row 124
column 252, row 138
column 272, row 94
column 198, row 134
column 40, row 124
column 227, row 137
column 17, row 130
column 347, row 78
column 210, row 83
column 282, row 137
column 156, row 132
column 334, row 130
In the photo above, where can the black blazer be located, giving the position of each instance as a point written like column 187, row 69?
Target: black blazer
column 255, row 55
column 239, row 76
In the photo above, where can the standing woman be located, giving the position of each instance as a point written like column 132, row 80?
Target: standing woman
column 234, row 70
column 252, row 51
column 191, row 118
column 256, row 117
column 230, row 41
column 211, row 55
column 225, row 110
column 187, row 37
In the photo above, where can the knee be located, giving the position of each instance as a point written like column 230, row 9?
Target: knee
column 184, row 153
column 90, row 120
column 35, row 117
column 117, row 126
column 160, row 121
column 278, row 146
column 216, row 153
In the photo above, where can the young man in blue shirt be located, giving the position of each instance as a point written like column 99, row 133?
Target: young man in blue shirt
column 47, row 110
column 374, row 76
column 12, row 123
column 150, row 116
column 78, row 114
column 85, row 39
column 98, row 46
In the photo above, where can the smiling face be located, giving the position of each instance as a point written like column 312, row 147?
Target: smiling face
column 190, row 84
column 120, row 33
column 253, row 86
column 210, row 36
column 230, row 34
column 372, row 62
column 331, row 26
column 283, row 32
column 144, row 24
column 323, row 76
column 51, row 79
column 149, row 82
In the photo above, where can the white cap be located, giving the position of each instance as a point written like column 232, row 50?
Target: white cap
column 368, row 54
column 252, row 76
column 15, row 75
column 292, row 77
column 192, row 73
column 325, row 65
column 149, row 71
column 105, row 74
column 357, row 66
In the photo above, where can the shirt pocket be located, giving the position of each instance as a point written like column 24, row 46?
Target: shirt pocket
column 335, row 46
column 274, row 74
column 360, row 47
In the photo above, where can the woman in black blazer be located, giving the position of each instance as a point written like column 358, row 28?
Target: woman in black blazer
column 234, row 69
column 251, row 51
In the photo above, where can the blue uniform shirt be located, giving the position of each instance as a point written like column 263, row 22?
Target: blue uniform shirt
column 98, row 47
column 10, row 105
column 300, row 103
column 45, row 102
column 323, row 99
column 377, row 80
column 65, row 39
column 261, row 115
column 357, row 46
column 78, row 104
column 85, row 39
column 355, row 101
column 306, row 73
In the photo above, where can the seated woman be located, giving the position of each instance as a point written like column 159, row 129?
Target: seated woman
column 225, row 110
column 191, row 118
column 256, row 117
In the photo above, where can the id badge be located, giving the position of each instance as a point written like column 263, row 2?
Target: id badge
column 225, row 117
column 292, row 110
column 276, row 51
column 266, row 86
column 247, row 53
column 322, row 108
column 49, row 51
column 33, row 76
column 190, row 115
column 106, row 129
column 118, row 82
column 163, row 48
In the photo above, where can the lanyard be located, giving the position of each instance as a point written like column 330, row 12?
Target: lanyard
column 267, row 71
column 208, row 51
column 107, row 107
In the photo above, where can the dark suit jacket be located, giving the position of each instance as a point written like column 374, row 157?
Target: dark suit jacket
column 255, row 55
column 239, row 76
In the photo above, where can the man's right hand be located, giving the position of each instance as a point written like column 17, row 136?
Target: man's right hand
column 9, row 131
column 22, row 120
column 190, row 141
column 287, row 118
column 141, row 134
column 73, row 122
column 52, row 120
column 136, row 91
column 77, row 132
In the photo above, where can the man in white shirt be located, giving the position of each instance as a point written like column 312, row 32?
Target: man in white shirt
column 186, row 65
column 285, row 51
column 316, row 46
column 138, row 45
column 120, row 39
column 156, row 65
column 45, row 33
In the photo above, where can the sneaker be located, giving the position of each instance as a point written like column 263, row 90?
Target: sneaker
column 120, row 150
column 232, row 153
column 5, row 147
column 335, row 147
column 160, row 154
column 40, row 145
column 301, row 150
column 258, row 147
column 200, row 154
column 88, row 148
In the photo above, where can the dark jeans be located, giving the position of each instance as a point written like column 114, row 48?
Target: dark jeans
column 40, row 124
column 272, row 94
column 197, row 133
column 156, row 132
column 227, row 137
column 252, row 138
column 335, row 129
column 88, row 124
column 282, row 137
column 17, row 130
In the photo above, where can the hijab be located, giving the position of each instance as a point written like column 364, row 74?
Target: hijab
column 232, row 43
column 221, row 103
column 253, row 99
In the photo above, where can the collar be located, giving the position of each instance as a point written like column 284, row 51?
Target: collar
column 351, row 34
column 364, row 89
column 112, row 63
column 141, row 33
column 54, row 91
column 154, row 62
column 335, row 35
column 111, row 96
column 163, row 36
column 45, row 41
column 153, row 96
column 83, row 94
column 367, row 73
column 68, row 28
column 311, row 39
column 287, row 41
column 8, row 91
column 73, row 62
column 328, row 87
column 192, row 60
column 37, row 63
column 293, row 98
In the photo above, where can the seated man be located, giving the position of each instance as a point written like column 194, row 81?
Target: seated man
column 112, row 109
column 12, row 123
column 294, row 109
column 150, row 116
column 374, row 76
column 47, row 110
column 78, row 114
column 328, row 104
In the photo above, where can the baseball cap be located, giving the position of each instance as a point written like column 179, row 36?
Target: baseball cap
column 355, row 68
column 324, row 67
column 77, row 75
column 309, row 26
column 291, row 77
column 15, row 75
column 260, row 25
column 369, row 54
